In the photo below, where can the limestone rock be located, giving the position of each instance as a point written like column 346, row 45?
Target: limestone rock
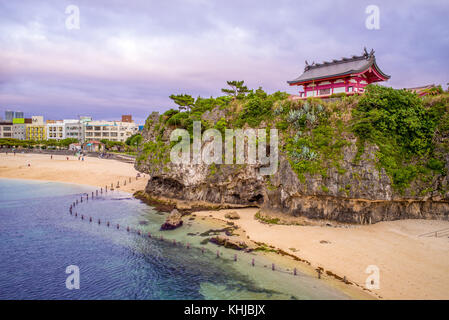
column 173, row 221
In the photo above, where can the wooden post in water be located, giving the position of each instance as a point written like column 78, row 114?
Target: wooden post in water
column 273, row 267
column 218, row 254
column 235, row 257
column 294, row 271
column 252, row 262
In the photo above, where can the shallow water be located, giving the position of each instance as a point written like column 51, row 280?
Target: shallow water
column 39, row 239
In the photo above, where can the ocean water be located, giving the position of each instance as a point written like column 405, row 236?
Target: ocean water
column 39, row 239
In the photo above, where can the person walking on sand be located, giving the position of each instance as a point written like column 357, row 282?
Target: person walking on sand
column 51, row 157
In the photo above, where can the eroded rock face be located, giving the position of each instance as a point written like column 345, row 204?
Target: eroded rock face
column 357, row 193
column 173, row 221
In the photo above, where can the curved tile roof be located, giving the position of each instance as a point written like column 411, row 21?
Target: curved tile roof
column 345, row 66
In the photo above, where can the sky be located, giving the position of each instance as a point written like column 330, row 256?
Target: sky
column 127, row 57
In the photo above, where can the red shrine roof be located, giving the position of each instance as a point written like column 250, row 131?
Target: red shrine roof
column 338, row 68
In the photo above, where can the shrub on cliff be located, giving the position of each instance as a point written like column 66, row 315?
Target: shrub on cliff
column 402, row 127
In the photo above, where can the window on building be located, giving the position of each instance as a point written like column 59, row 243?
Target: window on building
column 325, row 91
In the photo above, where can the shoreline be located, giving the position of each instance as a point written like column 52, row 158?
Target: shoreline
column 410, row 267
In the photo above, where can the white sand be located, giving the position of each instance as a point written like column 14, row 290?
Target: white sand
column 411, row 267
column 91, row 171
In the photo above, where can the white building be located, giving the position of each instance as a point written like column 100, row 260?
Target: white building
column 110, row 130
column 74, row 129
column 55, row 130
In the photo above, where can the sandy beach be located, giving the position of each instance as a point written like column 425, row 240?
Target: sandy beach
column 411, row 266
column 92, row 171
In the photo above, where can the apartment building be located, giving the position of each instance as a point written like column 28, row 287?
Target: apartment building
column 10, row 115
column 6, row 129
column 36, row 130
column 74, row 129
column 55, row 130
column 19, row 128
column 111, row 130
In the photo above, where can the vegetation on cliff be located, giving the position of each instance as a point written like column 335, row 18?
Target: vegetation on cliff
column 410, row 134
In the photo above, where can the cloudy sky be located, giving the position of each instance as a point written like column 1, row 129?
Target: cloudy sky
column 127, row 57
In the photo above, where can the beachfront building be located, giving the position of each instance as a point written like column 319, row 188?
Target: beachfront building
column 18, row 128
column 36, row 130
column 111, row 130
column 55, row 130
column 93, row 146
column 74, row 129
column 348, row 75
column 6, row 129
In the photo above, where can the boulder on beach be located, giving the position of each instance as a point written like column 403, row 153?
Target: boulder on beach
column 173, row 221
column 233, row 215
column 230, row 243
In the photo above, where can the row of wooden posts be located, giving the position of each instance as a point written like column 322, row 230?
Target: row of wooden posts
column 138, row 232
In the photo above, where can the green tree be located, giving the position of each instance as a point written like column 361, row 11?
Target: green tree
column 135, row 140
column 184, row 101
column 238, row 89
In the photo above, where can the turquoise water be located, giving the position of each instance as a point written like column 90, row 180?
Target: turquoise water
column 39, row 239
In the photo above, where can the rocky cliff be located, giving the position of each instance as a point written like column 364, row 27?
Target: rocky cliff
column 327, row 170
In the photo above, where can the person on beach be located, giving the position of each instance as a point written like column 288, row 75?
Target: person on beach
column 51, row 157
